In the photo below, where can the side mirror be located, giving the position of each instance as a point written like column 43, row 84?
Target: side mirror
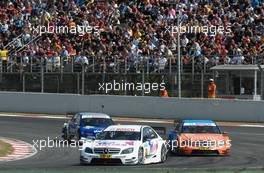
column 152, row 136
column 225, row 133
column 145, row 138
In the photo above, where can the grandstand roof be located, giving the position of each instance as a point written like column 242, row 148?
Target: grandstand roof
column 238, row 67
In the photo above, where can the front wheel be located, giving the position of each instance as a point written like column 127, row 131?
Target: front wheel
column 66, row 136
column 64, row 133
column 140, row 156
column 163, row 154
column 78, row 135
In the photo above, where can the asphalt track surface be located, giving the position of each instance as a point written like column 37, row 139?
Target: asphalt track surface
column 247, row 149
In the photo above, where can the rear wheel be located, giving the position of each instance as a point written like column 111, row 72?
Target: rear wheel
column 140, row 156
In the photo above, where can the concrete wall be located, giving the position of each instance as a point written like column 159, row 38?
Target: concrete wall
column 149, row 107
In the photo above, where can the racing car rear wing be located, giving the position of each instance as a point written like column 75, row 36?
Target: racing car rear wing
column 70, row 114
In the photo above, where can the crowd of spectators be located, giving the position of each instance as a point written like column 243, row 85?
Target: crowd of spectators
column 133, row 31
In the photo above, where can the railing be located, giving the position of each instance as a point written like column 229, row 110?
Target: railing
column 68, row 76
column 117, row 65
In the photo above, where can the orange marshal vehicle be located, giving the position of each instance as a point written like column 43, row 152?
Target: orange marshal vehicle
column 199, row 137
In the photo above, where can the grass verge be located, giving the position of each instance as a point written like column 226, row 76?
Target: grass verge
column 5, row 149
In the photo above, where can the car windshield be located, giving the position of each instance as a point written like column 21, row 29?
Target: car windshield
column 119, row 135
column 97, row 122
column 201, row 129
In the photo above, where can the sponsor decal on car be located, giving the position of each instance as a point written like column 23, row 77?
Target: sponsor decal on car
column 113, row 143
column 123, row 129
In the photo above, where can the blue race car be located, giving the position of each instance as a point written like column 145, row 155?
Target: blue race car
column 85, row 125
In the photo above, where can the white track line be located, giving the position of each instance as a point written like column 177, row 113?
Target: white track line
column 32, row 116
column 121, row 119
column 22, row 150
column 251, row 125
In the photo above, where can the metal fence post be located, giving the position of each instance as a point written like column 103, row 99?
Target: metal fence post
column 115, row 64
column 126, row 65
column 1, row 70
column 21, row 68
column 93, row 64
column 61, row 70
column 72, row 66
column 78, row 83
column 104, row 68
column 125, row 90
column 204, row 65
column 42, row 75
column 23, row 82
column 58, row 84
column 83, row 78
column 192, row 69
column 261, row 85
column 147, row 66
column 143, row 79
column 11, row 65
column 202, row 83
column 179, row 58
column 170, row 64
column 31, row 62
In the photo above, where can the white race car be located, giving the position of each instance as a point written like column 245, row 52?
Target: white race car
column 125, row 144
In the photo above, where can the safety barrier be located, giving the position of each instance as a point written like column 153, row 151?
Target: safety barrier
column 134, row 106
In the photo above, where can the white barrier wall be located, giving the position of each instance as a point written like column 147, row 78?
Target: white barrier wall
column 148, row 107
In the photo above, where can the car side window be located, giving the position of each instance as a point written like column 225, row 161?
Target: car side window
column 148, row 133
column 152, row 134
column 145, row 134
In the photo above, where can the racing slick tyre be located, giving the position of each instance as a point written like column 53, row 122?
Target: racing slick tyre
column 82, row 162
column 140, row 156
column 78, row 135
column 65, row 134
column 163, row 154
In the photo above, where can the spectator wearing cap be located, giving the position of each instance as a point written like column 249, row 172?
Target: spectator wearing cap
column 164, row 93
column 211, row 89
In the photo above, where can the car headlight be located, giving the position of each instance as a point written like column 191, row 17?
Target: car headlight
column 88, row 150
column 98, row 131
column 127, row 151
column 84, row 133
column 89, row 134
column 221, row 143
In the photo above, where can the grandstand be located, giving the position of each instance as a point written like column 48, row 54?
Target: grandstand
column 135, row 42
